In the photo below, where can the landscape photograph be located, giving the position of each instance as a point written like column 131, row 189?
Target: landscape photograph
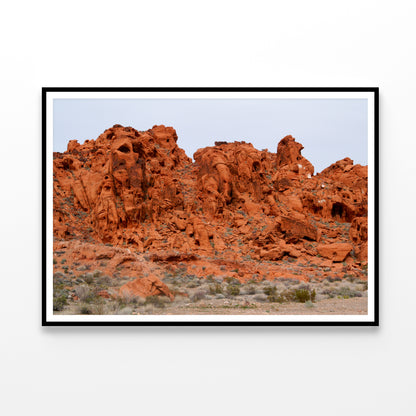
column 218, row 208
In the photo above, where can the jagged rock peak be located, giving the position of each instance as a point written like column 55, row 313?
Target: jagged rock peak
column 159, row 135
column 289, row 156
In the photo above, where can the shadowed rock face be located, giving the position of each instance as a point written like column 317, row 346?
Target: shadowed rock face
column 139, row 191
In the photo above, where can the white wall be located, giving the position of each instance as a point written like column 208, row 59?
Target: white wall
column 107, row 371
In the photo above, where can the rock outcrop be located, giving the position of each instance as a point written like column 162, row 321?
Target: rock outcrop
column 359, row 237
column 135, row 194
column 335, row 251
column 145, row 287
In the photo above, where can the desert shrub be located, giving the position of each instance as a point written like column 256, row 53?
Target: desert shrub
column 127, row 298
column 351, row 278
column 274, row 298
column 99, row 309
column 328, row 292
column 155, row 301
column 303, row 286
column 232, row 281
column 127, row 310
column 55, row 261
column 346, row 292
column 332, row 279
column 88, row 278
column 233, row 290
column 58, row 275
column 110, row 308
column 302, row 295
column 214, row 289
column 309, row 304
column 250, row 290
column 85, row 310
column 59, row 302
column 85, row 294
column 193, row 285
column 199, row 295
column 313, row 295
column 260, row 297
column 295, row 295
column 270, row 290
column 104, row 280
column 287, row 295
column 289, row 282
column 83, row 268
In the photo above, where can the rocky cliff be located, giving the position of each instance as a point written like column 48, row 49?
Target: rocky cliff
column 133, row 200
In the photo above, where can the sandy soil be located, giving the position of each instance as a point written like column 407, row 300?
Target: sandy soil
column 353, row 306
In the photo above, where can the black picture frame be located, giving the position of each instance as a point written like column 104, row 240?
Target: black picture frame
column 45, row 196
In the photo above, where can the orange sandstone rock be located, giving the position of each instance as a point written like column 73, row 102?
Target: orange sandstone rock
column 335, row 251
column 131, row 196
column 145, row 287
column 359, row 237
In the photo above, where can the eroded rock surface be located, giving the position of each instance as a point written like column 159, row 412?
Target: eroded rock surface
column 133, row 196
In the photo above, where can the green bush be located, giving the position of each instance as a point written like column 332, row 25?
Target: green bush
column 85, row 294
column 59, row 303
column 346, row 293
column 302, row 295
column 215, row 289
column 270, row 290
column 85, row 310
column 274, row 299
column 233, row 290
column 287, row 296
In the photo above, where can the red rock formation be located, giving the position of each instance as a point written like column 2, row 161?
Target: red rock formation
column 290, row 160
column 295, row 230
column 145, row 287
column 359, row 237
column 140, row 193
column 335, row 251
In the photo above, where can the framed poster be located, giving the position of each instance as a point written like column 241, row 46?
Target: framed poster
column 210, row 206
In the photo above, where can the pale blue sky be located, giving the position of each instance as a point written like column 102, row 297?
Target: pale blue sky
column 329, row 129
